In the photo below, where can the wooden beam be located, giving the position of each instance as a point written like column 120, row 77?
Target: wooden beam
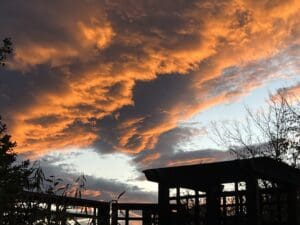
column 114, row 214
column 164, row 204
column 292, row 205
column 103, row 215
column 138, row 206
column 126, row 217
column 61, row 200
column 252, row 201
column 146, row 215
column 213, row 205
column 178, row 196
column 224, row 172
column 197, row 209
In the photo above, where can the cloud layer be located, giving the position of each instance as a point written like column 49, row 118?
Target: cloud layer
column 117, row 75
column 96, row 188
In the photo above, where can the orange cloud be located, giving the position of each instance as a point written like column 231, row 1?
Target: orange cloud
column 89, row 193
column 28, row 56
column 103, row 50
column 150, row 158
column 191, row 161
column 101, row 35
column 293, row 91
column 291, row 94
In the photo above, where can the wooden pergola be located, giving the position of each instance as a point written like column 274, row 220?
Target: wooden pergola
column 269, row 186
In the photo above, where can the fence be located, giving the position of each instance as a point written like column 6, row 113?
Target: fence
column 190, row 210
column 145, row 214
column 60, row 209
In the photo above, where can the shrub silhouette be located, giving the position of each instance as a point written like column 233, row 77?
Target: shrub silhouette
column 5, row 50
column 18, row 177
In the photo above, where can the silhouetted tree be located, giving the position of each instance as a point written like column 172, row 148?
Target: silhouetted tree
column 5, row 50
column 14, row 177
column 274, row 132
column 17, row 177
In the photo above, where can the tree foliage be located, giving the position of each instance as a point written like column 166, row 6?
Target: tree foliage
column 272, row 132
column 18, row 177
column 14, row 177
column 5, row 50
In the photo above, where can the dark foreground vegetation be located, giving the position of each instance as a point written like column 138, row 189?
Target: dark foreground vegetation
column 26, row 194
column 19, row 179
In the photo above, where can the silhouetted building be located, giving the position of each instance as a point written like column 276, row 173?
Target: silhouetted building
column 259, row 191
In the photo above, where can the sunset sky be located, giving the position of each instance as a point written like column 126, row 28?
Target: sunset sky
column 111, row 87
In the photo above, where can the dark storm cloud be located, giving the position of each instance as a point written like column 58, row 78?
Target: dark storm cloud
column 97, row 188
column 168, row 152
column 116, row 75
column 152, row 100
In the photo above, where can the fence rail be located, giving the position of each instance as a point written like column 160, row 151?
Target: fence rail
column 63, row 208
column 147, row 213
column 98, row 212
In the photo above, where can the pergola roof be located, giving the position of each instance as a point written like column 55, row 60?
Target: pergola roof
column 201, row 176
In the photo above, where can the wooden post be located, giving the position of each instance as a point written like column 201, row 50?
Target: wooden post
column 278, row 203
column 178, row 203
column 213, row 205
column 126, row 217
column 114, row 214
column 236, row 196
column 64, row 215
column 57, row 214
column 292, row 205
column 98, row 216
column 103, row 215
column 237, row 202
column 49, row 212
column 163, row 205
column 252, row 201
column 1, row 213
column 196, row 207
column 94, row 211
column 146, row 217
column 224, row 214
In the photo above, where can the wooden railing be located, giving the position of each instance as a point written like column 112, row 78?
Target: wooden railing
column 98, row 213
column 146, row 213
column 63, row 207
column 106, row 213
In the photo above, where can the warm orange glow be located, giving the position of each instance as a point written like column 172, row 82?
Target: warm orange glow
column 101, row 35
column 191, row 161
column 150, row 158
column 104, row 58
column 92, row 193
column 56, row 55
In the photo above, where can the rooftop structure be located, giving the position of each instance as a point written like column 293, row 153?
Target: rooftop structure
column 256, row 191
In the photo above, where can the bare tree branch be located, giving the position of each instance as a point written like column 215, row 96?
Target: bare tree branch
column 273, row 132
